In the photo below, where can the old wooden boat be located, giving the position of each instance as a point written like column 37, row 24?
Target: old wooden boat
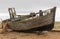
column 44, row 21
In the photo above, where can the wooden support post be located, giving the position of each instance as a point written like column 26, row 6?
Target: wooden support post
column 4, row 27
column 40, row 13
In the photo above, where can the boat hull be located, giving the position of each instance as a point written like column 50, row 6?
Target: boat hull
column 39, row 23
column 48, row 27
column 33, row 23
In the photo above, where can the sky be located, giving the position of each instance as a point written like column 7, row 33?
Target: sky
column 27, row 6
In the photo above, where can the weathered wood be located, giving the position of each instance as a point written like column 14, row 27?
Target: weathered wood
column 31, row 23
column 40, row 13
column 12, row 13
